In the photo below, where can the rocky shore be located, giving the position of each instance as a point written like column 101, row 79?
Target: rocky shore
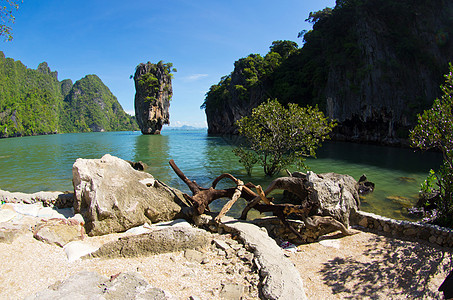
column 334, row 267
column 121, row 235
column 48, row 255
column 35, row 264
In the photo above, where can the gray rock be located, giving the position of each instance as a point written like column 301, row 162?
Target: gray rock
column 335, row 195
column 232, row 291
column 241, row 253
column 9, row 232
column 131, row 286
column 76, row 249
column 83, row 285
column 7, row 213
column 221, row 244
column 194, row 256
column 280, row 278
column 90, row 285
column 113, row 197
column 58, row 231
column 58, row 199
column 170, row 239
column 202, row 220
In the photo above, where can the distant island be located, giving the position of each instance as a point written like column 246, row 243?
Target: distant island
column 184, row 128
column 35, row 102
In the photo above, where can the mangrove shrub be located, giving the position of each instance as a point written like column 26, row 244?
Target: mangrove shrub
column 277, row 137
column 434, row 130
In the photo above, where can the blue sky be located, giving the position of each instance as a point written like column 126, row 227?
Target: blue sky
column 110, row 38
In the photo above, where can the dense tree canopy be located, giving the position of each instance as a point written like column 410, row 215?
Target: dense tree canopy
column 280, row 136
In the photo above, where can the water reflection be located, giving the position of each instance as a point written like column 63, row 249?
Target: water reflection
column 154, row 151
column 406, row 159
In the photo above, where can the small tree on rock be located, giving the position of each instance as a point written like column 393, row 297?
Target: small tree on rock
column 281, row 136
column 7, row 18
column 435, row 131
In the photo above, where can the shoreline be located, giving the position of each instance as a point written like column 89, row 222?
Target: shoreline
column 31, row 266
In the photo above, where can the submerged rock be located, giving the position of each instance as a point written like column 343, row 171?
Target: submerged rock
column 401, row 200
column 365, row 186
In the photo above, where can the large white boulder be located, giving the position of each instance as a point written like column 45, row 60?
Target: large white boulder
column 113, row 197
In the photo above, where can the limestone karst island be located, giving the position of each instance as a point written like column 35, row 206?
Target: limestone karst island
column 286, row 159
column 152, row 96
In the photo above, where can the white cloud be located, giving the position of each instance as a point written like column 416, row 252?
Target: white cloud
column 195, row 77
column 130, row 112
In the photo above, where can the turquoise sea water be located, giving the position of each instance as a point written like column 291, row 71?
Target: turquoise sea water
column 31, row 164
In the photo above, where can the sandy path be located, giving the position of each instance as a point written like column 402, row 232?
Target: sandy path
column 370, row 266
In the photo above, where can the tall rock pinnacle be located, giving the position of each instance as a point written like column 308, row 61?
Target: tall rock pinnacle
column 153, row 93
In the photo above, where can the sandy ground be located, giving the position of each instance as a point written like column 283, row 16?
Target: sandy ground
column 362, row 266
column 370, row 266
column 28, row 266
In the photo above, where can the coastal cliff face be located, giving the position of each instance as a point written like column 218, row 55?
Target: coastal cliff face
column 153, row 91
column 397, row 73
column 222, row 116
column 371, row 65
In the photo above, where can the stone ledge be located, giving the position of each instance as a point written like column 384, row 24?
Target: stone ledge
column 280, row 278
column 432, row 233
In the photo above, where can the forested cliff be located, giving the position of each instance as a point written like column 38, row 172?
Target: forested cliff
column 34, row 102
column 370, row 64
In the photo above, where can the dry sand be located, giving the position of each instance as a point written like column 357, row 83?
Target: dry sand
column 29, row 266
column 371, row 266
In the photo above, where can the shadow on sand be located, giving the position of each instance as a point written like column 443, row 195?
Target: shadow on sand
column 397, row 269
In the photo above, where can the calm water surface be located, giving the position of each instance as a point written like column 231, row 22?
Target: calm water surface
column 31, row 164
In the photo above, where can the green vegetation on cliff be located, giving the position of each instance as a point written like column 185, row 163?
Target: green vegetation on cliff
column 90, row 106
column 251, row 72
column 370, row 64
column 34, row 102
column 149, row 83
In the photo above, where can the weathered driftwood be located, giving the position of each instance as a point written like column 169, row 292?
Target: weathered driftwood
column 283, row 211
column 297, row 186
column 227, row 207
column 294, row 185
column 202, row 197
